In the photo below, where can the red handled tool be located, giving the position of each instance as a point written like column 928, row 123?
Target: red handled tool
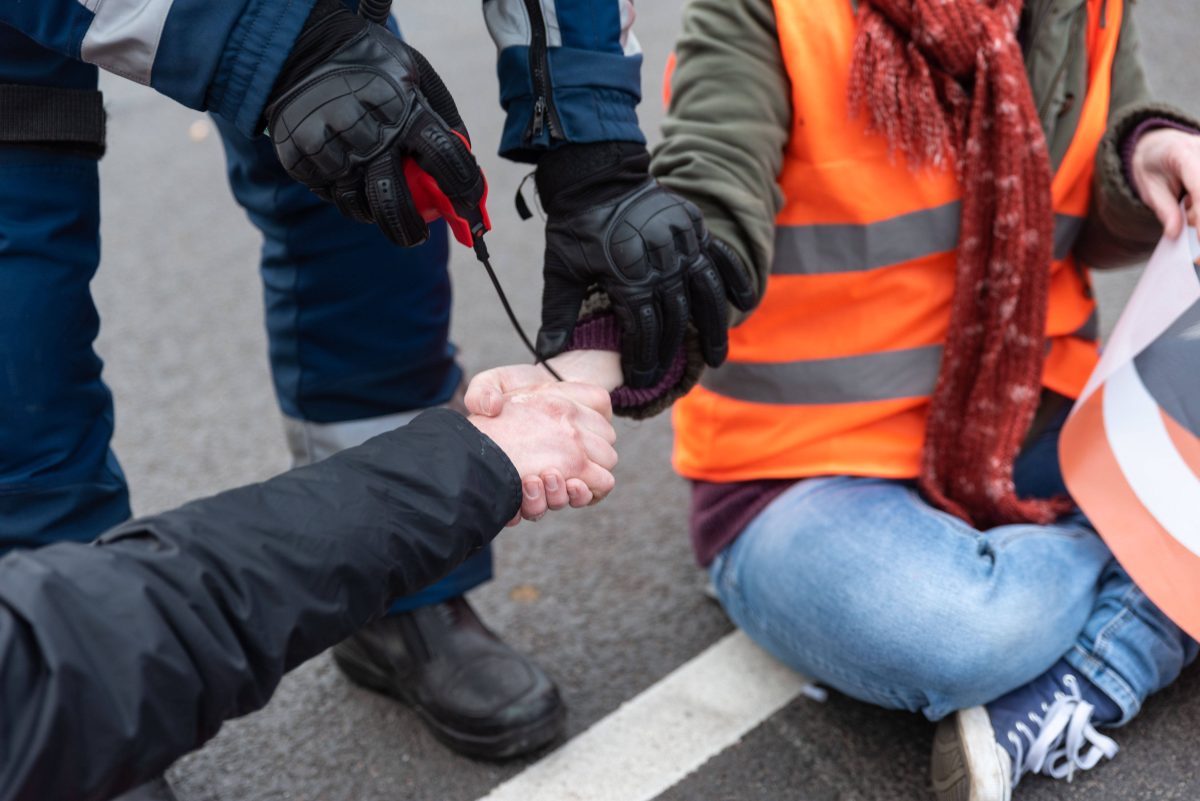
column 427, row 197
column 431, row 203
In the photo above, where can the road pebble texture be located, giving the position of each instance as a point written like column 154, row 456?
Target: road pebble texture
column 607, row 599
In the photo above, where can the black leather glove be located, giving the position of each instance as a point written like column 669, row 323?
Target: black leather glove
column 351, row 103
column 610, row 225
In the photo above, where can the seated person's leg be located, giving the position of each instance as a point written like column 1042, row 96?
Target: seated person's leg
column 359, row 344
column 58, row 478
column 861, row 585
column 1129, row 648
column 1126, row 650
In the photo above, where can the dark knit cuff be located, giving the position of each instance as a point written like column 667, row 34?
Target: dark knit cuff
column 596, row 332
column 1125, row 217
column 1130, row 142
column 1116, row 149
column 602, row 332
column 629, row 400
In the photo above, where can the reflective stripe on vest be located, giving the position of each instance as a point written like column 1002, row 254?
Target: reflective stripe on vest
column 833, row 371
column 835, row 248
column 886, row 375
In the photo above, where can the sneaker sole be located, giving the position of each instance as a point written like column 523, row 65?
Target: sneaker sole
column 965, row 764
column 521, row 741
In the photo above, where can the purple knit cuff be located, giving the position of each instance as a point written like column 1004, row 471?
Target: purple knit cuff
column 1131, row 140
column 596, row 332
column 602, row 332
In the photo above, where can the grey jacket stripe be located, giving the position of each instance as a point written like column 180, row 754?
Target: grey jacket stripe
column 1168, row 369
column 630, row 45
column 849, row 379
column 843, row 248
column 509, row 24
column 124, row 34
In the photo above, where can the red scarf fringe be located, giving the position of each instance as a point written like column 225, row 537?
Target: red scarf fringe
column 945, row 82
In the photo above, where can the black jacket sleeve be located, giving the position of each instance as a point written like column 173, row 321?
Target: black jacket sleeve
column 120, row 656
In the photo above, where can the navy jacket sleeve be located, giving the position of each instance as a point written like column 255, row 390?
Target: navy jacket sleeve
column 569, row 72
column 118, row 657
column 221, row 56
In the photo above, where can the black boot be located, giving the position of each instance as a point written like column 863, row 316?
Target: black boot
column 476, row 694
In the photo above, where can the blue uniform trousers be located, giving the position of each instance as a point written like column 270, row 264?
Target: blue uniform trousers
column 358, row 328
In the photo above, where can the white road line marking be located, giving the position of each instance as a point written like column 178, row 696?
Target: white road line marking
column 656, row 739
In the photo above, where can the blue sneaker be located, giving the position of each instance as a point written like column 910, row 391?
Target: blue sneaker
column 1046, row 727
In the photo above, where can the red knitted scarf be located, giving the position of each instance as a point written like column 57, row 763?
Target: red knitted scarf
column 945, row 81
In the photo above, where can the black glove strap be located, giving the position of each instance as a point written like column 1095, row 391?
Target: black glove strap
column 572, row 178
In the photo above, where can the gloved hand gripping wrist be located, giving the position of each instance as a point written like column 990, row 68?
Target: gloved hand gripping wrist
column 611, row 226
column 351, row 104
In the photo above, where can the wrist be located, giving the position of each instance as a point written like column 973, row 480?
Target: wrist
column 580, row 176
column 1143, row 133
column 601, row 368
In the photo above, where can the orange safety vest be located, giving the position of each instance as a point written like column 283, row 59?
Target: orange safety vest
column 832, row 373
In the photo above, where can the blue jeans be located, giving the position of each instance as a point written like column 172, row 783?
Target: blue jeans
column 358, row 328
column 861, row 585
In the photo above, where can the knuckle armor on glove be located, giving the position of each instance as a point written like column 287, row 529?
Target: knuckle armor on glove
column 614, row 228
column 647, row 251
column 346, row 126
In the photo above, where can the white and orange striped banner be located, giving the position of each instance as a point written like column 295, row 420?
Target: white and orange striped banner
column 1130, row 451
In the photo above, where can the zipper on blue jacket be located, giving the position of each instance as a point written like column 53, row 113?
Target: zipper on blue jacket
column 545, row 115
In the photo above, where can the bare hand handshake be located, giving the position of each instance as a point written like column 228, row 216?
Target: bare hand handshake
column 559, row 436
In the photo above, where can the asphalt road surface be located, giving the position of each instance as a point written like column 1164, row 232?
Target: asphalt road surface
column 607, row 599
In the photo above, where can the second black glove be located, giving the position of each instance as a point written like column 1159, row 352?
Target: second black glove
column 610, row 225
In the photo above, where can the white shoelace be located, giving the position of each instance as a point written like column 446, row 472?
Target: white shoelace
column 1064, row 731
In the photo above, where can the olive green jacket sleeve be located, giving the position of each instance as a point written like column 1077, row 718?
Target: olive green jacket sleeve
column 724, row 135
column 1120, row 228
column 728, row 123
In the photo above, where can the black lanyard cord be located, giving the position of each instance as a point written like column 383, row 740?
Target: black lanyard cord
column 481, row 252
column 378, row 11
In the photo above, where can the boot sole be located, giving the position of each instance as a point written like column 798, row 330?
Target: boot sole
column 527, row 739
column 965, row 764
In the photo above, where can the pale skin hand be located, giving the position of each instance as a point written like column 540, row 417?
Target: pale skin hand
column 1166, row 165
column 589, row 377
column 560, row 442
column 597, row 368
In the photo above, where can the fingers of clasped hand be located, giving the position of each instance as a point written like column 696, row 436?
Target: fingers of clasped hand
column 652, row 255
column 560, row 439
column 1166, row 167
